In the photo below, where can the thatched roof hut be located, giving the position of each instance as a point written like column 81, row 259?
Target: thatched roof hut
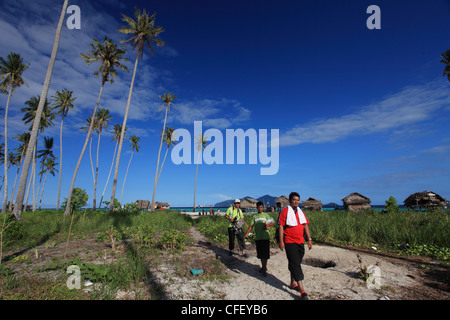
column 162, row 206
column 426, row 200
column 356, row 202
column 248, row 203
column 312, row 204
column 281, row 202
column 143, row 204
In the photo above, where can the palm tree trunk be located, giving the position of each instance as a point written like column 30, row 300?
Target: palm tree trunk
column 162, row 164
column 5, row 191
column 109, row 175
column 29, row 185
column 195, row 185
column 34, row 132
column 125, row 179
column 60, row 162
column 96, row 174
column 39, row 186
column 116, row 171
column 69, row 197
column 157, row 164
column 42, row 192
column 15, row 181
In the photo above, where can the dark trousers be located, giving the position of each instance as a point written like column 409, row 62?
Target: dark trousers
column 295, row 253
column 240, row 237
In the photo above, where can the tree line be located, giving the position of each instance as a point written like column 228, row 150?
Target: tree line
column 40, row 113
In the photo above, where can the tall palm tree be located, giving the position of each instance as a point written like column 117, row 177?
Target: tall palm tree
column 134, row 147
column 49, row 166
column 11, row 72
column 167, row 98
column 143, row 33
column 116, row 137
column 201, row 142
column 102, row 118
column 44, row 154
column 110, row 58
column 446, row 60
column 46, row 120
column 26, row 166
column 63, row 102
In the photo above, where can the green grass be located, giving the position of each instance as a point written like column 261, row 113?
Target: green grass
column 418, row 233
column 42, row 226
column 149, row 236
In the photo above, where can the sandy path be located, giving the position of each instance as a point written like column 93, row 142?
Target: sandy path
column 398, row 279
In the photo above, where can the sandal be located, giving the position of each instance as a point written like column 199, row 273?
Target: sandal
column 303, row 295
column 295, row 287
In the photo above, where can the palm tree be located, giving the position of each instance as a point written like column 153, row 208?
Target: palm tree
column 11, row 72
column 50, row 166
column 102, row 118
column 116, row 136
column 63, row 102
column 144, row 33
column 134, row 147
column 44, row 154
column 167, row 98
column 446, row 60
column 110, row 57
column 46, row 120
column 26, row 166
column 201, row 142
column 169, row 138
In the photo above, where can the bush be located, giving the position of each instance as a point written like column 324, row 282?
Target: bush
column 391, row 205
column 173, row 239
column 79, row 199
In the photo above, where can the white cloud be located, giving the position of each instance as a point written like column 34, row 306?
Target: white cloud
column 218, row 114
column 409, row 106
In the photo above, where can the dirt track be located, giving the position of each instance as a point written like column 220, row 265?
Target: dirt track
column 330, row 273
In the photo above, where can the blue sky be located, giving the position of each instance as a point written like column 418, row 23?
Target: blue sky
column 358, row 110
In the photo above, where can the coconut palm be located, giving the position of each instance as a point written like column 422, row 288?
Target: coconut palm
column 116, row 137
column 446, row 60
column 143, row 33
column 167, row 98
column 44, row 154
column 34, row 133
column 201, row 142
column 11, row 71
column 102, row 118
column 134, row 147
column 63, row 102
column 46, row 120
column 49, row 166
column 110, row 58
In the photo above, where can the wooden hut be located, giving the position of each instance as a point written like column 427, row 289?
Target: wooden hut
column 312, row 204
column 356, row 202
column 426, row 200
column 143, row 204
column 248, row 204
column 281, row 202
column 162, row 206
